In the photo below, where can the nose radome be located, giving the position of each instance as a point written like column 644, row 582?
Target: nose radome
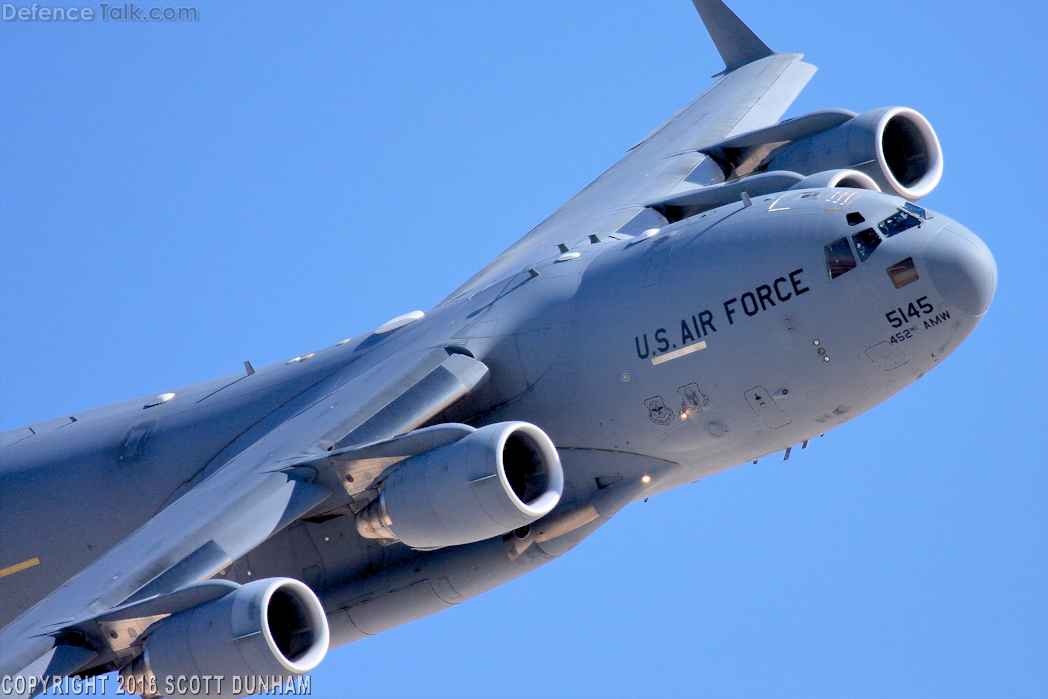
column 962, row 269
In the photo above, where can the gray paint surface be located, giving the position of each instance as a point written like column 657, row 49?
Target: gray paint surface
column 570, row 349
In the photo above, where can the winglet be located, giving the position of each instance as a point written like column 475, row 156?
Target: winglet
column 737, row 43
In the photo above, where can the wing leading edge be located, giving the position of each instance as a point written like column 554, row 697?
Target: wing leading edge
column 253, row 495
column 244, row 502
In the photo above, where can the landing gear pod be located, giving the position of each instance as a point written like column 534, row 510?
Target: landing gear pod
column 895, row 146
column 492, row 481
column 272, row 628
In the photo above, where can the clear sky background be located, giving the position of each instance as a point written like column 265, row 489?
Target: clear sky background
column 176, row 198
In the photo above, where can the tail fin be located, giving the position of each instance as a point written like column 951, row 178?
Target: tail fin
column 737, row 43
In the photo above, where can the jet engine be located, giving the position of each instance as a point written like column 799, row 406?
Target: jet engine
column 268, row 628
column 828, row 179
column 494, row 480
column 894, row 146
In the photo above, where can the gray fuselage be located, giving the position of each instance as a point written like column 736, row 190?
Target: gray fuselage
column 680, row 353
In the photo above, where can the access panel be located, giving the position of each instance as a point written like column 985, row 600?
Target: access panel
column 760, row 399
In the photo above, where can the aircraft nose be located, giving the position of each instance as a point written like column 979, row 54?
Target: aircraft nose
column 962, row 269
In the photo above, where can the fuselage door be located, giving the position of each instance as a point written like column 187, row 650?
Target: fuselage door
column 764, row 405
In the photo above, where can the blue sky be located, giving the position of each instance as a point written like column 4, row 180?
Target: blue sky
column 176, row 198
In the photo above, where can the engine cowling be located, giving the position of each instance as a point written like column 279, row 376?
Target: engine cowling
column 494, row 480
column 268, row 628
column 894, row 146
column 828, row 179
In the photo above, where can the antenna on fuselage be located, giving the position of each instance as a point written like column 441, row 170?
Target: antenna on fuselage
column 737, row 43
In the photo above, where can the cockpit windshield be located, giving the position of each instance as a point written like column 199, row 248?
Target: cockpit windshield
column 898, row 222
column 866, row 241
column 839, row 257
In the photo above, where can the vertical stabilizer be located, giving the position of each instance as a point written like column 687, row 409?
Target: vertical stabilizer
column 737, row 43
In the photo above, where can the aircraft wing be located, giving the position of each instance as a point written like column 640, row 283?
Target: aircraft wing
column 756, row 88
column 261, row 490
column 241, row 504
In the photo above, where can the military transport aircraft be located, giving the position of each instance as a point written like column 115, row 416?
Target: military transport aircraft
column 732, row 287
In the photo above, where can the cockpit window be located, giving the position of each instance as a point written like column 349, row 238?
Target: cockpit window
column 902, row 273
column 839, row 258
column 897, row 223
column 866, row 241
column 919, row 210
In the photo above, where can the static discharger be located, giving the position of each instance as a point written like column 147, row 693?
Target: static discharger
column 677, row 354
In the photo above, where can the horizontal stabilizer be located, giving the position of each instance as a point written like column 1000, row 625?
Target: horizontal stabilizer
column 737, row 43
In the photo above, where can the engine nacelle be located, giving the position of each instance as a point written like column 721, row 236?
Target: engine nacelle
column 828, row 179
column 894, row 146
column 492, row 481
column 269, row 628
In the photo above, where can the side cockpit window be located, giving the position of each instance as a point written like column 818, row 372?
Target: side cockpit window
column 902, row 273
column 839, row 258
